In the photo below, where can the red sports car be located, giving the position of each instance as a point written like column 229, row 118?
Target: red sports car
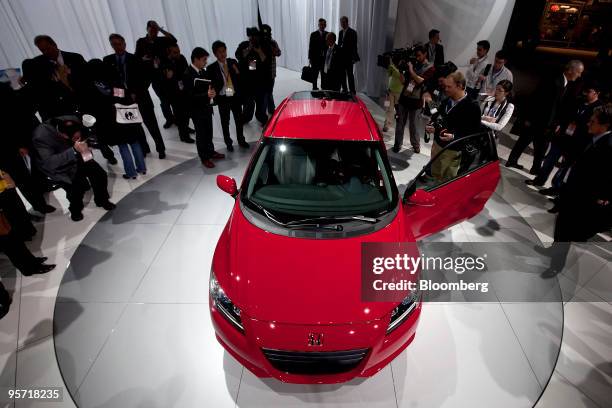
column 285, row 283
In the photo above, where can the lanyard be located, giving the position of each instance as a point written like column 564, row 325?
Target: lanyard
column 494, row 76
column 450, row 101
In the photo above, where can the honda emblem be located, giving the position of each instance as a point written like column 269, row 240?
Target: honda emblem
column 315, row 339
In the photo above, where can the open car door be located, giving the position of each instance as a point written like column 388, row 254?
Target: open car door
column 454, row 186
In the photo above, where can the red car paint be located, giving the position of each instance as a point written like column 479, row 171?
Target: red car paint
column 291, row 288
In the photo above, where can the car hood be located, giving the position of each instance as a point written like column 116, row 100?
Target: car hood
column 294, row 280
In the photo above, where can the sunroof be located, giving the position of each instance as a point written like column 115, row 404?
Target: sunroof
column 327, row 95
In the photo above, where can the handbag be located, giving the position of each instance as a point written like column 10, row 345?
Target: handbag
column 308, row 73
column 127, row 114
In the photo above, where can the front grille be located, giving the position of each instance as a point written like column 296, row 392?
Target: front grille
column 315, row 362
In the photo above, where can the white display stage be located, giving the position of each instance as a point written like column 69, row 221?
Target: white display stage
column 132, row 326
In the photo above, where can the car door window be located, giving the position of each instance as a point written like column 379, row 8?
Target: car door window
column 456, row 160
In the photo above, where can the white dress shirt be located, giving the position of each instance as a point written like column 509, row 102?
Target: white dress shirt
column 491, row 108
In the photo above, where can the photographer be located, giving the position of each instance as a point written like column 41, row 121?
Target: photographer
column 394, row 89
column 173, row 69
column 461, row 118
column 275, row 51
column 152, row 51
column 67, row 160
column 254, row 59
column 410, row 101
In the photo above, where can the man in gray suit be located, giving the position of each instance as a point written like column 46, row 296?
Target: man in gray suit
column 68, row 160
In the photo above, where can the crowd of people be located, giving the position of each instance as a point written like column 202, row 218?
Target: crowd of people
column 333, row 60
column 567, row 120
column 68, row 106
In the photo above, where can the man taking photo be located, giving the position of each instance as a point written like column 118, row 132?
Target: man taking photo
column 462, row 118
column 66, row 158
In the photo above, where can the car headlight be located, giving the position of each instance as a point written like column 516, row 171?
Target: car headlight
column 223, row 303
column 403, row 310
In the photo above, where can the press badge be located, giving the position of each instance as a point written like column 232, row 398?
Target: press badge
column 229, row 91
column 119, row 92
column 252, row 65
column 410, row 87
column 387, row 103
column 180, row 85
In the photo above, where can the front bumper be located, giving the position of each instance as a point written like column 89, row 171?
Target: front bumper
column 352, row 350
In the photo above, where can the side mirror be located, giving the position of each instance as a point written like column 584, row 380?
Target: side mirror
column 422, row 198
column 227, row 184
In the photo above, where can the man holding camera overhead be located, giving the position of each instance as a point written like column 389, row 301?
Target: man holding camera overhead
column 65, row 157
column 254, row 58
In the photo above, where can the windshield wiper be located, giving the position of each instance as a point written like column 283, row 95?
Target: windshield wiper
column 267, row 213
column 302, row 223
column 336, row 218
column 315, row 225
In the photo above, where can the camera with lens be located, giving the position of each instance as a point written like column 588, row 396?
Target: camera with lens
column 88, row 131
column 252, row 32
column 445, row 69
column 437, row 118
column 399, row 57
column 86, row 128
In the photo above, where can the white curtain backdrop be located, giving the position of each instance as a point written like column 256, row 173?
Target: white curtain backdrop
column 461, row 23
column 83, row 26
column 292, row 21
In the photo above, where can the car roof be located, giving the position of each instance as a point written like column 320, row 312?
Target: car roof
column 322, row 115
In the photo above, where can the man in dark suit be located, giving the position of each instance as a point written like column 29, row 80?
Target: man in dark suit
column 333, row 65
column 435, row 50
column 56, row 78
column 68, row 161
column 173, row 69
column 151, row 50
column 316, row 50
column 542, row 118
column 225, row 77
column 200, row 96
column 133, row 78
column 585, row 202
column 347, row 41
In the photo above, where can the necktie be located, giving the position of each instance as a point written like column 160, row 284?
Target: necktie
column 328, row 59
column 122, row 70
column 228, row 77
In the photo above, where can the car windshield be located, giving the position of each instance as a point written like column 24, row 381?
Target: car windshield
column 294, row 178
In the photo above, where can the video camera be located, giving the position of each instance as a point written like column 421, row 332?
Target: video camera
column 445, row 69
column 262, row 35
column 252, row 32
column 399, row 56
